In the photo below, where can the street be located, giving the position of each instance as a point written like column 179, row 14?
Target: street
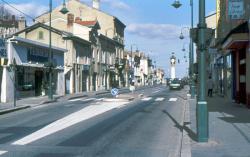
column 148, row 126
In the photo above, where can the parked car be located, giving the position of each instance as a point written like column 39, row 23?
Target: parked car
column 175, row 84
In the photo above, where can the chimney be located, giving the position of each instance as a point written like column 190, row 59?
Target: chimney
column 21, row 23
column 96, row 4
column 70, row 19
column 78, row 19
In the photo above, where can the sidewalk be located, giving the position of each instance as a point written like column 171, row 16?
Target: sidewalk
column 229, row 130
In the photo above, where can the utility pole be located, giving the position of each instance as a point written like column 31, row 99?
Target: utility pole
column 191, row 55
column 202, row 113
column 50, row 94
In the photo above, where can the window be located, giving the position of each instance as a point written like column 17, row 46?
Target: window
column 40, row 35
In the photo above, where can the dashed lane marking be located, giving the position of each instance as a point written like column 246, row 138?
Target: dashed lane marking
column 173, row 99
column 156, row 91
column 159, row 99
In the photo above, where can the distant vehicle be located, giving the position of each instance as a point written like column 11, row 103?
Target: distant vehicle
column 176, row 84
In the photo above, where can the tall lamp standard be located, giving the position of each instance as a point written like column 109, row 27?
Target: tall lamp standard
column 64, row 10
column 202, row 113
column 177, row 4
column 202, row 35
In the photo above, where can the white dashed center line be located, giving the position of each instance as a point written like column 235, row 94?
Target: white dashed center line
column 156, row 91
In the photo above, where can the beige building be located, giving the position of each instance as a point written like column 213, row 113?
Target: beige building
column 233, row 46
column 93, row 25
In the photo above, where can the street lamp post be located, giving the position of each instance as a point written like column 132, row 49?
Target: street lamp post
column 202, row 113
column 177, row 4
column 64, row 10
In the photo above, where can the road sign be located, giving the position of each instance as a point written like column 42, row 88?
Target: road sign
column 114, row 91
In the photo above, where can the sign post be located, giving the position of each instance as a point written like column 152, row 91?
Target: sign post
column 115, row 92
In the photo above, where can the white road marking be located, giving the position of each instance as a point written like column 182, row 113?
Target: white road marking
column 88, row 99
column 173, row 99
column 72, row 119
column 159, row 99
column 82, row 99
column 100, row 99
column 2, row 152
column 146, row 99
column 40, row 106
column 73, row 100
column 156, row 91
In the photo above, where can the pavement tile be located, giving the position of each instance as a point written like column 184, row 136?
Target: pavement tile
column 229, row 131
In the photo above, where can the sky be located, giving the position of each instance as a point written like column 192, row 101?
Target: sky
column 152, row 26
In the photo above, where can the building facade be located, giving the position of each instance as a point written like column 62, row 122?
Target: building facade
column 26, row 73
column 109, row 27
column 232, row 43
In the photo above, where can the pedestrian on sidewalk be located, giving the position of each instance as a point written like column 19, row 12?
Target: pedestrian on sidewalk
column 210, row 86
column 132, row 86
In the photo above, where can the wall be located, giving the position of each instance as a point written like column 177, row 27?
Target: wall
column 87, row 13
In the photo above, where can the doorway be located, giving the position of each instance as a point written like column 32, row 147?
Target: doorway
column 38, row 83
column 242, row 76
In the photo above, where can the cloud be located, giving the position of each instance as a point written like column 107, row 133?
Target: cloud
column 117, row 4
column 155, row 31
column 32, row 9
column 114, row 4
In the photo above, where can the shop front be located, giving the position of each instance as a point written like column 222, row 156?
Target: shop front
column 32, row 80
column 236, row 67
column 31, row 73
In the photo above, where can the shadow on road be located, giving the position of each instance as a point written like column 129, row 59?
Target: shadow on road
column 191, row 134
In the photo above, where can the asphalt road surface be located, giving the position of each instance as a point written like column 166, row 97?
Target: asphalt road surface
column 148, row 126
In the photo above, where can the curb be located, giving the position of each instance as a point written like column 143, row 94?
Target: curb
column 13, row 109
column 101, row 93
column 118, row 99
column 76, row 97
column 185, row 143
column 47, row 102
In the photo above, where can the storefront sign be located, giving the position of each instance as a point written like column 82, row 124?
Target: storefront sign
column 236, row 9
column 38, row 55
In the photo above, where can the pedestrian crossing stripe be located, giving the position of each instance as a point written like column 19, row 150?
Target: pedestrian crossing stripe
column 146, row 99
column 159, row 99
column 172, row 99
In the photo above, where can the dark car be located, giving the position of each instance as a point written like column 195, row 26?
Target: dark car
column 176, row 84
